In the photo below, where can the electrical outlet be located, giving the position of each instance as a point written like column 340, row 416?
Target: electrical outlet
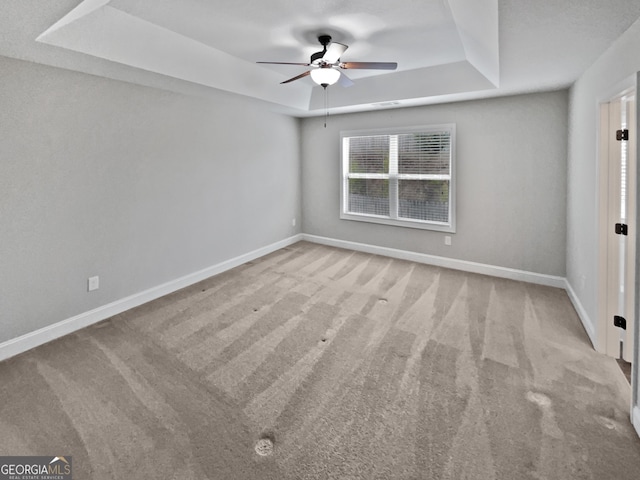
column 447, row 239
column 293, row 222
column 93, row 283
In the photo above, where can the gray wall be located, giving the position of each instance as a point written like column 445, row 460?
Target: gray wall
column 511, row 181
column 137, row 185
column 596, row 85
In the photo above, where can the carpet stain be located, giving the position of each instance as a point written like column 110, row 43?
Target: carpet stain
column 606, row 422
column 264, row 447
column 539, row 399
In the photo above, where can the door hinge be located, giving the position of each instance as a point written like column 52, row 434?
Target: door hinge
column 620, row 322
column 622, row 135
column 621, row 229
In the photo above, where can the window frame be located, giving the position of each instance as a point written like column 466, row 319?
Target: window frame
column 394, row 177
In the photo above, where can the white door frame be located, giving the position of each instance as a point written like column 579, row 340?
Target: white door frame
column 632, row 82
column 635, row 372
column 608, row 337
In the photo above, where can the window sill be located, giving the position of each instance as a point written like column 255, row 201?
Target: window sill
column 433, row 226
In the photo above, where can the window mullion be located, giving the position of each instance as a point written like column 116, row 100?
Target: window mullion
column 393, row 176
column 344, row 203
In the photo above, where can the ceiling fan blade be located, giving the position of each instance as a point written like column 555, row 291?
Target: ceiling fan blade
column 286, row 63
column 302, row 75
column 334, row 52
column 370, row 65
column 345, row 81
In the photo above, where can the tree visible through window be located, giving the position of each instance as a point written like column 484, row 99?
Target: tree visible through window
column 401, row 178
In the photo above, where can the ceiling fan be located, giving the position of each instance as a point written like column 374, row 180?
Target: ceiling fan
column 326, row 65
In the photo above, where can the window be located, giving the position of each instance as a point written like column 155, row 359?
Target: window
column 403, row 177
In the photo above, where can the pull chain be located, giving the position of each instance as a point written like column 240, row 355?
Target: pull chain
column 326, row 104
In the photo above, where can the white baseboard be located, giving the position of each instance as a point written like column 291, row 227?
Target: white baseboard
column 473, row 267
column 44, row 335
column 31, row 340
column 582, row 314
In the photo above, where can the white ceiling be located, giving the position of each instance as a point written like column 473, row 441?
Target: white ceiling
column 445, row 49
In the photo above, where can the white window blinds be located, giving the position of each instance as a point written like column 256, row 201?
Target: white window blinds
column 401, row 178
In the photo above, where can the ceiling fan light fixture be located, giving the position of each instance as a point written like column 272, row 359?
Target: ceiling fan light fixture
column 325, row 76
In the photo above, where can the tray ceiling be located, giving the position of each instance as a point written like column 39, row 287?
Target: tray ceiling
column 445, row 49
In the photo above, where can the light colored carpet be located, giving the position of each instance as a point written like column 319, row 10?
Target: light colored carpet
column 354, row 366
